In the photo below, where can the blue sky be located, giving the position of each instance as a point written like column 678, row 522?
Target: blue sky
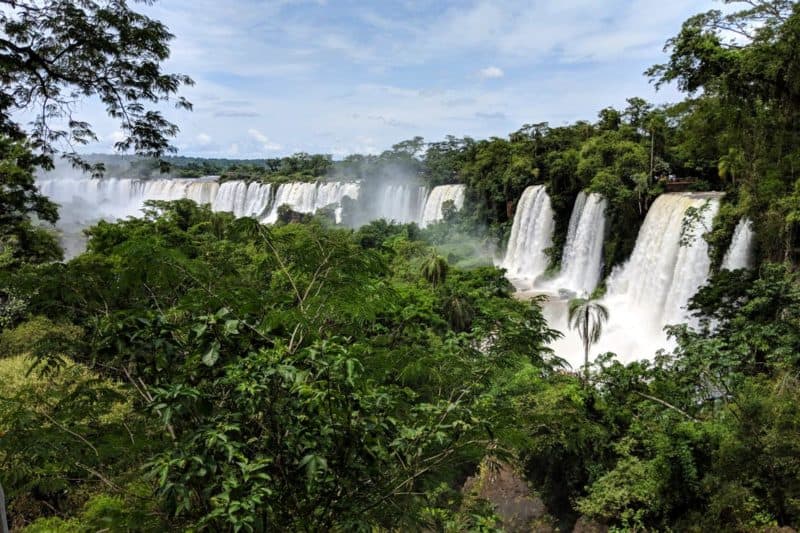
column 275, row 77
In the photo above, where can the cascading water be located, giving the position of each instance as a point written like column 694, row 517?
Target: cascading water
column 332, row 193
column 85, row 200
column 652, row 288
column 531, row 235
column 243, row 200
column 740, row 252
column 308, row 197
column 401, row 203
column 582, row 260
column 93, row 198
column 436, row 200
column 231, row 198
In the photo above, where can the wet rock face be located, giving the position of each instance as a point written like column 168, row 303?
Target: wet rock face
column 518, row 508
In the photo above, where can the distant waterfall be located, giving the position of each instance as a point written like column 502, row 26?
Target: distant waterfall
column 308, row 197
column 401, row 203
column 531, row 235
column 85, row 200
column 436, row 200
column 740, row 252
column 582, row 260
column 231, row 197
column 243, row 200
column 92, row 198
column 202, row 191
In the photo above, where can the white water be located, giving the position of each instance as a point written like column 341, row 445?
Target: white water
column 531, row 234
column 401, row 203
column 85, row 200
column 652, row 288
column 243, row 200
column 436, row 200
column 308, row 197
column 582, row 260
column 740, row 252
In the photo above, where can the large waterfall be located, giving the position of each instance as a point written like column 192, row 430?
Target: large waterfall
column 531, row 235
column 582, row 259
column 740, row 252
column 85, row 200
column 436, row 200
column 308, row 197
column 652, row 288
column 243, row 200
column 401, row 203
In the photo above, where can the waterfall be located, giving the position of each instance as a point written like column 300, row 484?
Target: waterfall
column 85, row 200
column 202, row 191
column 88, row 199
column 531, row 235
column 652, row 289
column 740, row 252
column 243, row 200
column 257, row 199
column 308, row 197
column 401, row 203
column 436, row 199
column 661, row 274
column 582, row 260
column 332, row 193
column 231, row 198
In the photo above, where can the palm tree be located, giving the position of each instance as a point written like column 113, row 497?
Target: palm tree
column 587, row 316
column 732, row 165
column 459, row 312
column 434, row 269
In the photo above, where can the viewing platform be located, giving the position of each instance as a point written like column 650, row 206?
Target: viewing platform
column 675, row 184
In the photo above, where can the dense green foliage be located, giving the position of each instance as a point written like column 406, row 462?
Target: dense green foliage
column 196, row 371
column 280, row 376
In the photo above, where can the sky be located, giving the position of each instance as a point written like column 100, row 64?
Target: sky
column 275, row 77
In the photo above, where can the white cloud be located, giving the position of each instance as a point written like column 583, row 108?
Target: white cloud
column 491, row 73
column 117, row 136
column 344, row 78
column 266, row 143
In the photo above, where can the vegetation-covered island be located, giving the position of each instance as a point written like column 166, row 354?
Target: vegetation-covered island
column 239, row 357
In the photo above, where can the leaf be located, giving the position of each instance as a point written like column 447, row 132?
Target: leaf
column 231, row 327
column 200, row 329
column 313, row 463
column 212, row 355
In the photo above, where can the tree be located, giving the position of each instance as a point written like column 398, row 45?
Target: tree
column 587, row 316
column 55, row 53
column 434, row 269
column 20, row 239
column 732, row 165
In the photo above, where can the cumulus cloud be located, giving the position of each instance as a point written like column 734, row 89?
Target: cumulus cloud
column 203, row 139
column 491, row 73
column 345, row 77
column 266, row 143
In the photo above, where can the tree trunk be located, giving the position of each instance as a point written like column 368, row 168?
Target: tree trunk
column 586, row 344
column 3, row 517
column 652, row 154
column 586, row 361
